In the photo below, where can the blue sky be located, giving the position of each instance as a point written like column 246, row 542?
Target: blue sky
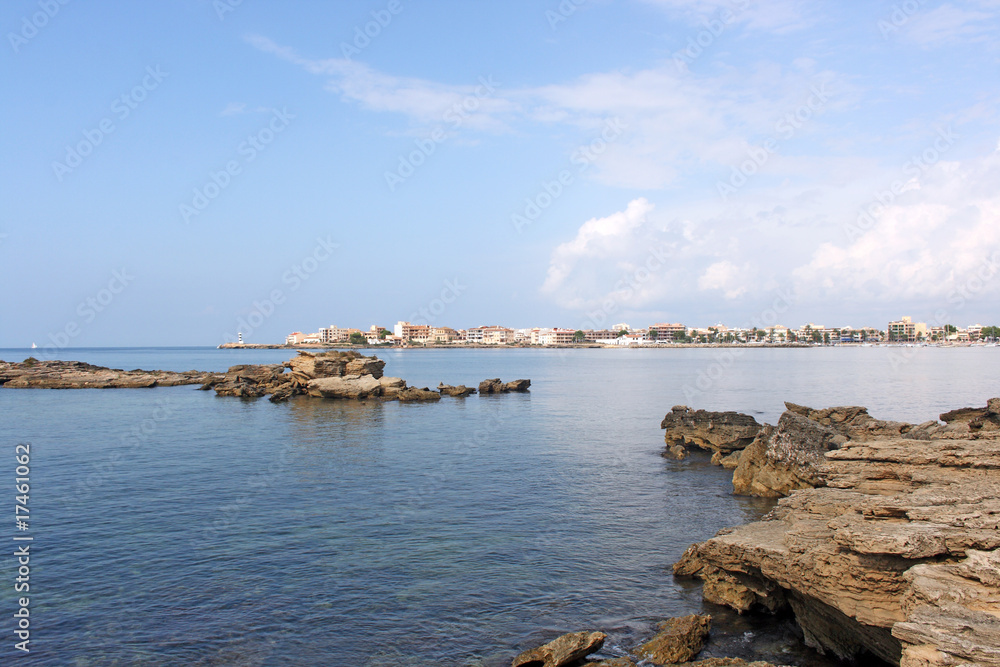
column 176, row 171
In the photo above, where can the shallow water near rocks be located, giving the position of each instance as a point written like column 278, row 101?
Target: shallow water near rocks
column 175, row 527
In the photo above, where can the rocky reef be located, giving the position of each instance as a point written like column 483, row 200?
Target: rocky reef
column 32, row 373
column 333, row 374
column 885, row 542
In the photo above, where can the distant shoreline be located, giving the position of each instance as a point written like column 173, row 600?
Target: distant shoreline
column 583, row 346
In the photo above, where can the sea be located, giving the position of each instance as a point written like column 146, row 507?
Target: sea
column 171, row 526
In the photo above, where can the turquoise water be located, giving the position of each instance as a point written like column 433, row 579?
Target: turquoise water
column 176, row 527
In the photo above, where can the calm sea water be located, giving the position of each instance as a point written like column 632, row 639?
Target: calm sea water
column 174, row 527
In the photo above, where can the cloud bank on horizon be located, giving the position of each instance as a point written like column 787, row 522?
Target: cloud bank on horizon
column 848, row 156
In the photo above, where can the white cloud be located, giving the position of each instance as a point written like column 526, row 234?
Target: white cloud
column 233, row 108
column 676, row 122
column 922, row 247
column 239, row 108
column 725, row 276
column 948, row 24
column 481, row 102
column 778, row 16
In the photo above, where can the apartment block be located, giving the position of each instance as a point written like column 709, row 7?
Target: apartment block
column 906, row 331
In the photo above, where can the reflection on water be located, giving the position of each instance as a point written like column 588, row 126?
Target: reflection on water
column 370, row 533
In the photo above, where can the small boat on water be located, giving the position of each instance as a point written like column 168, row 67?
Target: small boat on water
column 34, row 347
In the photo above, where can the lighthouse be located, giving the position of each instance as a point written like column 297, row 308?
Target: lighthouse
column 239, row 338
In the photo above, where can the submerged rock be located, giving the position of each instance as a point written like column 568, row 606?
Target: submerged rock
column 565, row 651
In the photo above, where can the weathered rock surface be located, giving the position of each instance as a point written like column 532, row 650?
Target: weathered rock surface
column 496, row 386
column 565, row 651
column 347, row 386
column 718, row 432
column 678, row 640
column 32, row 373
column 391, row 386
column 251, row 381
column 896, row 551
column 414, row 394
column 458, row 392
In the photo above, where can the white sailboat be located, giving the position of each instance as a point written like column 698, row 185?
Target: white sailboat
column 33, row 346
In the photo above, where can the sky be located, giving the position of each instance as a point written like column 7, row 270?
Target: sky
column 176, row 172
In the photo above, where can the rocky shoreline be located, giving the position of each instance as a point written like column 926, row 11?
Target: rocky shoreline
column 885, row 543
column 333, row 374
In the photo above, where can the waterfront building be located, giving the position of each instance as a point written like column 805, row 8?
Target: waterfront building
column 906, row 330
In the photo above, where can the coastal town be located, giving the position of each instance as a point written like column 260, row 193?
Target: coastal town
column 405, row 334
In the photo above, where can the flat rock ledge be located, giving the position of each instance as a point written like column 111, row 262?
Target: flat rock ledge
column 32, row 373
column 885, row 542
column 678, row 642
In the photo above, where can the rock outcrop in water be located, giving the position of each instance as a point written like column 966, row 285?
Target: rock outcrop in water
column 495, row 386
column 32, row 373
column 886, row 541
column 721, row 433
column 565, row 651
column 678, row 642
column 333, row 374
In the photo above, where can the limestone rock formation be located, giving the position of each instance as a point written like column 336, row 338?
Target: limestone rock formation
column 250, row 381
column 332, row 374
column 32, row 373
column 564, row 651
column 459, row 392
column 896, row 551
column 391, row 386
column 718, row 432
column 347, row 386
column 517, row 385
column 496, row 386
column 678, row 640
column 418, row 394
